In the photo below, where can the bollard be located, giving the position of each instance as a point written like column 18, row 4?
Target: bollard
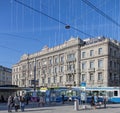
column 76, row 104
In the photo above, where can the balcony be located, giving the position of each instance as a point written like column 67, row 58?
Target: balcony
column 91, row 69
column 70, row 71
column 69, row 83
column 22, row 77
column 100, row 69
column 100, row 81
column 71, row 59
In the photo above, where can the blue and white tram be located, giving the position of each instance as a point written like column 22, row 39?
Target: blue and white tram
column 112, row 93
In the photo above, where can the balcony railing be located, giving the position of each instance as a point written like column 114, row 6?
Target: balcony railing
column 70, row 83
column 71, row 59
column 70, row 71
column 91, row 69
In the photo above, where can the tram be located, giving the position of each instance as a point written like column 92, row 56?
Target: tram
column 55, row 94
column 70, row 94
column 111, row 93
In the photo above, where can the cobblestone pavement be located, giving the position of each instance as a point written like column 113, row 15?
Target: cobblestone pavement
column 59, row 108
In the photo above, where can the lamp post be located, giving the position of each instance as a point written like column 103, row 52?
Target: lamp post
column 35, row 75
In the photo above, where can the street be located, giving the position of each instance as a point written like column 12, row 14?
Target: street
column 111, row 108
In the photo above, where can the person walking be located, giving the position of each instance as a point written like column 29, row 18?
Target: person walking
column 22, row 103
column 92, row 101
column 62, row 98
column 105, row 102
column 41, row 101
column 16, row 102
column 9, row 104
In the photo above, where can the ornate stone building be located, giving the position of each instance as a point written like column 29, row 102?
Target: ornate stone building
column 5, row 76
column 94, row 61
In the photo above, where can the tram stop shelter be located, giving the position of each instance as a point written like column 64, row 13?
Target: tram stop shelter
column 7, row 90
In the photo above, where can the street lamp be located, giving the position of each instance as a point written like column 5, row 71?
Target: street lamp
column 34, row 93
column 35, row 75
column 67, row 27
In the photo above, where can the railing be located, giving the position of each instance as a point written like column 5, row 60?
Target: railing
column 71, row 59
column 91, row 69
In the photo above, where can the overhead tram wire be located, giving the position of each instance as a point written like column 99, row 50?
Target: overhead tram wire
column 19, row 36
column 25, row 5
column 100, row 12
column 18, row 51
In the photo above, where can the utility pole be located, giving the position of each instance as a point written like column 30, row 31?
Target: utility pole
column 35, row 74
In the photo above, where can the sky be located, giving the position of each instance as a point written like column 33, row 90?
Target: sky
column 26, row 31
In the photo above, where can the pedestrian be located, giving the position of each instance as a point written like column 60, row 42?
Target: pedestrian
column 16, row 103
column 9, row 104
column 27, row 99
column 2, row 98
column 41, row 101
column 95, row 101
column 62, row 98
column 92, row 101
column 105, row 101
column 22, row 103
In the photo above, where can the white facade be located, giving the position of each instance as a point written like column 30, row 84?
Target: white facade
column 71, row 63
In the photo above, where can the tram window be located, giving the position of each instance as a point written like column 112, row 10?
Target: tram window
column 89, row 93
column 110, row 94
column 74, row 93
column 115, row 93
column 102, row 93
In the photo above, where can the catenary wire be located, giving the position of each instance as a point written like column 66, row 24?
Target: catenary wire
column 100, row 12
column 38, row 11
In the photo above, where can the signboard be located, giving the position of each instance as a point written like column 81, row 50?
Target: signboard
column 83, row 84
column 43, row 89
column 83, row 96
column 34, row 82
column 34, row 94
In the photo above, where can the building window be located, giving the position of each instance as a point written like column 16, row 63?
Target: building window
column 91, row 52
column 71, row 57
column 115, row 65
column 70, row 78
column 50, row 61
column 91, row 77
column 83, row 77
column 61, row 59
column 56, row 60
column 83, row 54
column 49, row 70
column 100, row 77
column 110, row 77
column 56, row 70
column 83, row 65
column 38, row 64
column 100, row 63
column 70, row 67
column 114, row 53
column 61, row 69
column 43, row 80
column 54, row 79
column 111, row 64
column 49, row 81
column 39, row 72
column 61, row 79
column 91, row 64
column 100, row 51
column 115, row 77
column 110, row 51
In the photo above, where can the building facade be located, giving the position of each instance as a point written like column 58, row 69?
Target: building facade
column 94, row 61
column 5, row 76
